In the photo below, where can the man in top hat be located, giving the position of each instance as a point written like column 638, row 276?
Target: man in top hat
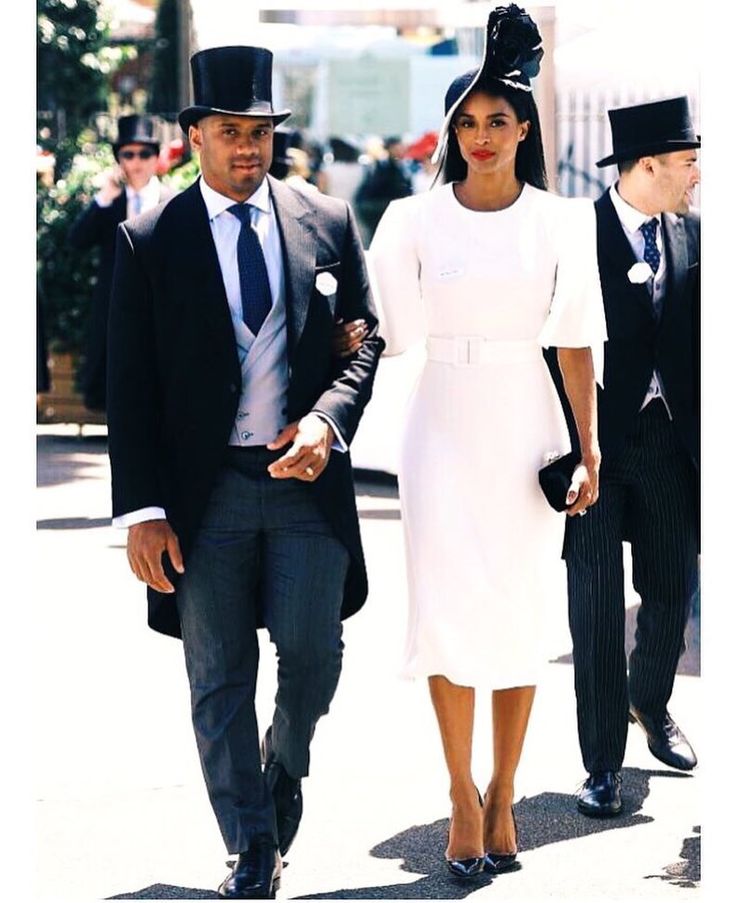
column 648, row 421
column 129, row 188
column 229, row 421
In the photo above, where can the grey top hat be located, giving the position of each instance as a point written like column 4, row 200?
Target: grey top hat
column 234, row 80
column 650, row 128
column 137, row 130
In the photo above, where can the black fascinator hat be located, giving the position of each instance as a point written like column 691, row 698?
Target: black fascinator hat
column 513, row 49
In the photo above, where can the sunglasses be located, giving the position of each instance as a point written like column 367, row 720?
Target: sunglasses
column 144, row 154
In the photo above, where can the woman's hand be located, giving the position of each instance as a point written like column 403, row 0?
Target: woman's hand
column 583, row 491
column 348, row 337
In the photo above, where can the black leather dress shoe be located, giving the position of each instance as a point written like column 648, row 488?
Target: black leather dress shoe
column 287, row 795
column 665, row 740
column 256, row 874
column 601, row 794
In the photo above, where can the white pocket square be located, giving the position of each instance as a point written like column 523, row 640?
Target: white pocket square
column 326, row 284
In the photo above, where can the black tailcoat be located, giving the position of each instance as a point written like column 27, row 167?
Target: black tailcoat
column 175, row 381
column 637, row 343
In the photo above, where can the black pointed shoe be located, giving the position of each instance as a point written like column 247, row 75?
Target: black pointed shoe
column 600, row 795
column 256, row 874
column 466, row 868
column 665, row 740
column 496, row 863
column 287, row 795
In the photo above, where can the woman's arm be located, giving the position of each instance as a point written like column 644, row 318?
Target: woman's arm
column 576, row 365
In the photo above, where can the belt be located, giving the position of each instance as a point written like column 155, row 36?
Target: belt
column 468, row 351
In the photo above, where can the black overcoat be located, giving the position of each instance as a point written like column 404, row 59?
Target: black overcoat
column 174, row 380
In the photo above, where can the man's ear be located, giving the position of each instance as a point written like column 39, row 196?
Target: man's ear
column 647, row 165
column 195, row 137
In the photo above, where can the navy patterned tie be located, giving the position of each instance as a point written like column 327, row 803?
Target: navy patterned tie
column 651, row 252
column 255, row 292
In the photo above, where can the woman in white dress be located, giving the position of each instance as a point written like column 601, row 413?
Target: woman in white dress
column 488, row 268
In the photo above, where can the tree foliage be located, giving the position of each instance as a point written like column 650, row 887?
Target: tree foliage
column 73, row 64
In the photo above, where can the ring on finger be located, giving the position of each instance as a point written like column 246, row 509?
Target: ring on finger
column 583, row 512
column 309, row 471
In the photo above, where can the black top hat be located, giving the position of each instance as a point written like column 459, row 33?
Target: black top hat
column 137, row 130
column 650, row 128
column 235, row 80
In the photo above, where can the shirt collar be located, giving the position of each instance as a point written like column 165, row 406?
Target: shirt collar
column 151, row 188
column 631, row 218
column 217, row 203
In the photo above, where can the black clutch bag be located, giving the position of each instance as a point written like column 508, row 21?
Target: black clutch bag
column 555, row 479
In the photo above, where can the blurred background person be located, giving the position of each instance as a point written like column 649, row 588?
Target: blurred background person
column 387, row 180
column 423, row 169
column 127, row 189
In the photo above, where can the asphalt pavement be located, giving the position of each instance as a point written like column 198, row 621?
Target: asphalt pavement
column 120, row 806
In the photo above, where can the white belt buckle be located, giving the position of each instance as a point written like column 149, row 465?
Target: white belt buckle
column 468, row 350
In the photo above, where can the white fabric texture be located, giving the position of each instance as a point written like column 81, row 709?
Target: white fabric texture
column 482, row 543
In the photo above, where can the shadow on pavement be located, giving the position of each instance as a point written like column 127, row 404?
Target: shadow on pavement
column 167, row 892
column 543, row 819
column 57, row 461
column 686, row 872
column 72, row 523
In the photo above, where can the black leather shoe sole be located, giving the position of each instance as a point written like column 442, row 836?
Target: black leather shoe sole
column 607, row 811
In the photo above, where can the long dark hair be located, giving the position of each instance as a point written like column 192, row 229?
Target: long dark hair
column 529, row 165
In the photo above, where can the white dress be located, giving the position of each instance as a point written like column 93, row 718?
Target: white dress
column 486, row 291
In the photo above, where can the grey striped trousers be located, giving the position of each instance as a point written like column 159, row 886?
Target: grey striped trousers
column 648, row 497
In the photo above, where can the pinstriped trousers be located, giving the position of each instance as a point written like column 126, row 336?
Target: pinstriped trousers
column 648, row 497
column 264, row 552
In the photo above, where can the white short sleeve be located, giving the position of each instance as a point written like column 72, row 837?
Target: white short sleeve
column 394, row 270
column 576, row 316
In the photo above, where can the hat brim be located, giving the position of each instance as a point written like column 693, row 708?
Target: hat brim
column 647, row 150
column 134, row 140
column 192, row 115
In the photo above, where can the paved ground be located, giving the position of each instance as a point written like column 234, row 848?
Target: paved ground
column 120, row 805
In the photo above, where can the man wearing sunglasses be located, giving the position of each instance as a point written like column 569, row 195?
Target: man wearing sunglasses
column 127, row 189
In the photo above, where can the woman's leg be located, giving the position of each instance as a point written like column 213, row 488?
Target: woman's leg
column 511, row 709
column 454, row 707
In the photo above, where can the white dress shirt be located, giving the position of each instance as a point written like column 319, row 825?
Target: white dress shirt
column 150, row 196
column 631, row 221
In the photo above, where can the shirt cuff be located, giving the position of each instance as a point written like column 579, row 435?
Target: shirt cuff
column 100, row 203
column 138, row 517
column 339, row 444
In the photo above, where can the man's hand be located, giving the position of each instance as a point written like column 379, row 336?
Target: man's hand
column 311, row 440
column 348, row 337
column 147, row 542
column 583, row 491
column 111, row 184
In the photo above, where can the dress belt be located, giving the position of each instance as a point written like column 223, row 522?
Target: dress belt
column 468, row 351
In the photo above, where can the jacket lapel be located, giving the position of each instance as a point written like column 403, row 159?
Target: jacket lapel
column 614, row 249
column 299, row 246
column 676, row 256
column 200, row 271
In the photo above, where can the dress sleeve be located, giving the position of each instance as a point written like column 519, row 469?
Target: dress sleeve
column 394, row 269
column 576, row 317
